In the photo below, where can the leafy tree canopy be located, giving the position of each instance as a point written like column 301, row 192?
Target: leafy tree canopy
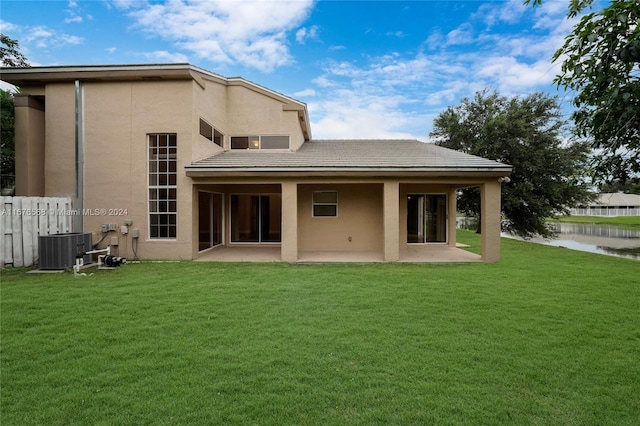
column 525, row 133
column 631, row 186
column 601, row 59
column 10, row 55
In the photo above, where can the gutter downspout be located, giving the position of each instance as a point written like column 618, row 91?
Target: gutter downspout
column 78, row 220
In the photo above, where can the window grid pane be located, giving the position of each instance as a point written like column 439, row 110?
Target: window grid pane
column 162, row 185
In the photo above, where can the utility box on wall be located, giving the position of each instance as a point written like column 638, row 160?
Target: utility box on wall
column 58, row 251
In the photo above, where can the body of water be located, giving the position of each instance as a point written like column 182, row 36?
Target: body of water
column 602, row 239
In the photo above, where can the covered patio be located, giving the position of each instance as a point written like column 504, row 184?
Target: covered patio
column 342, row 201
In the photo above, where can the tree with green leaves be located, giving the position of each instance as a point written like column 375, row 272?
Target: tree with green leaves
column 10, row 55
column 7, row 139
column 527, row 133
column 601, row 59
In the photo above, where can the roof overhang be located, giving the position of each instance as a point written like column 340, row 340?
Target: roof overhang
column 194, row 172
column 58, row 74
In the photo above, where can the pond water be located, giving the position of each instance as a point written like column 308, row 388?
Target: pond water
column 603, row 239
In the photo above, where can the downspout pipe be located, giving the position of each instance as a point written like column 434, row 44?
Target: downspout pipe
column 78, row 220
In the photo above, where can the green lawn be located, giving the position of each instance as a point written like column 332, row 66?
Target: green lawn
column 546, row 336
column 629, row 221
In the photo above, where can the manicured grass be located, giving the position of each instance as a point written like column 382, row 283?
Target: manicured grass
column 630, row 221
column 546, row 336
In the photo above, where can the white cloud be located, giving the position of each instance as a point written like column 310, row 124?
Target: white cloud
column 305, row 93
column 512, row 77
column 39, row 36
column 510, row 12
column 73, row 19
column 7, row 27
column 253, row 33
column 164, row 56
column 461, row 35
column 304, row 34
column 398, row 34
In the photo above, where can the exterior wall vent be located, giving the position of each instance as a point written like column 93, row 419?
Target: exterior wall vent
column 58, row 251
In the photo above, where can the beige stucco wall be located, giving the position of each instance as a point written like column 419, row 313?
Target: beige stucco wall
column 210, row 104
column 60, row 136
column 29, row 147
column 252, row 113
column 490, row 194
column 118, row 118
column 359, row 218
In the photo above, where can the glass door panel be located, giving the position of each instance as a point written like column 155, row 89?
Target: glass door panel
column 270, row 218
column 204, row 220
column 217, row 219
column 256, row 218
column 415, row 219
column 436, row 219
column 209, row 220
column 426, row 218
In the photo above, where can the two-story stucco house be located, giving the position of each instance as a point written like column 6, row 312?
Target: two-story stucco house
column 199, row 166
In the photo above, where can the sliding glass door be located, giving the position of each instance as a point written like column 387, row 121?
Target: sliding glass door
column 426, row 218
column 256, row 218
column 209, row 220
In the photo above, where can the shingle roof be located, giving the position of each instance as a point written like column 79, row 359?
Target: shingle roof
column 351, row 155
column 617, row 199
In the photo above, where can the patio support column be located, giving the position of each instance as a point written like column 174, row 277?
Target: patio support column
column 289, row 244
column 452, row 210
column 490, row 220
column 29, row 146
column 391, row 213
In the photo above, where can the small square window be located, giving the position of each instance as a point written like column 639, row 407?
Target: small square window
column 239, row 142
column 325, row 204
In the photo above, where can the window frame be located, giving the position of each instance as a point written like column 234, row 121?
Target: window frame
column 217, row 137
column 254, row 142
column 442, row 220
column 163, row 207
column 232, row 218
column 315, row 204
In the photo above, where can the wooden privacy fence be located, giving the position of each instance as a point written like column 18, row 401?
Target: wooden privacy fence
column 24, row 219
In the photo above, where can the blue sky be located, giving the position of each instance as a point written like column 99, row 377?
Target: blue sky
column 366, row 69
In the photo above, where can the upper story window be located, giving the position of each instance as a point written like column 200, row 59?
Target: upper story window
column 259, row 142
column 210, row 132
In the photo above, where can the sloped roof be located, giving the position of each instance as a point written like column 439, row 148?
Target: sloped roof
column 351, row 155
column 618, row 199
column 30, row 76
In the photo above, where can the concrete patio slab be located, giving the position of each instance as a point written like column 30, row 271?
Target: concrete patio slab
column 414, row 254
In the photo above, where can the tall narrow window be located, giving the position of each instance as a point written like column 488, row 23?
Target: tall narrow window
column 209, row 220
column 163, row 174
